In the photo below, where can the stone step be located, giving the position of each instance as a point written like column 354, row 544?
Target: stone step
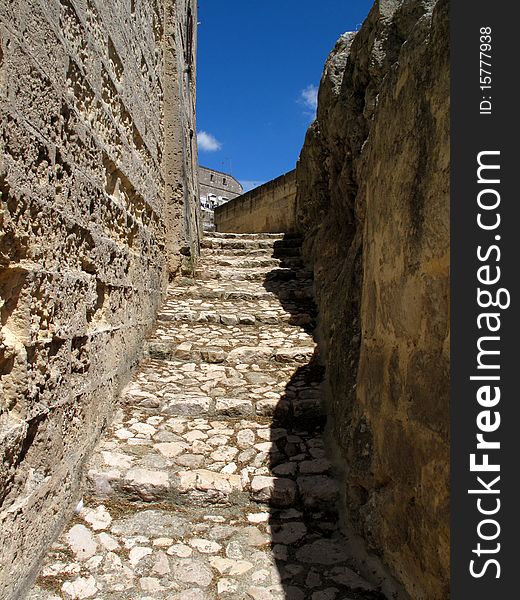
column 128, row 550
column 252, row 236
column 249, row 244
column 207, row 272
column 233, row 312
column 244, row 290
column 227, row 354
column 234, row 244
column 276, row 252
column 204, row 462
column 281, row 389
column 218, row 343
column 242, row 262
column 241, row 236
column 289, row 242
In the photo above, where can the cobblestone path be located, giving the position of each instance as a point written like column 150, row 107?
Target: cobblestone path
column 213, row 480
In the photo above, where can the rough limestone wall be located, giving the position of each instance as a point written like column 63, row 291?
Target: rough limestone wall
column 180, row 161
column 90, row 205
column 269, row 208
column 373, row 204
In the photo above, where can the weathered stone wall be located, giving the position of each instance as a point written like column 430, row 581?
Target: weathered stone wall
column 97, row 190
column 270, row 208
column 178, row 47
column 373, row 204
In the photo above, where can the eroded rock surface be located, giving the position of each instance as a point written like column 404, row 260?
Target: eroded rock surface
column 373, row 203
column 96, row 189
column 213, row 480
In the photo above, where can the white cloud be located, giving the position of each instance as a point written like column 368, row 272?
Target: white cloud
column 207, row 142
column 309, row 98
column 249, row 185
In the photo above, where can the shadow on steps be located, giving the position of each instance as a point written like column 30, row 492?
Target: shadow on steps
column 316, row 560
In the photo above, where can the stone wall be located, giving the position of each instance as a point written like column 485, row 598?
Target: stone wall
column 270, row 208
column 99, row 208
column 373, row 205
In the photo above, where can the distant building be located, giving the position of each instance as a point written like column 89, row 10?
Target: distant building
column 216, row 188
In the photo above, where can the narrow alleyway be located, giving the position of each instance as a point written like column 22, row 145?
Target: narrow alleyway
column 213, row 481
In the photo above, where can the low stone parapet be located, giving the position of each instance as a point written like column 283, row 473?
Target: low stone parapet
column 269, row 208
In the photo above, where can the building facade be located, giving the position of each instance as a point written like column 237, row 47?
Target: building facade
column 216, row 188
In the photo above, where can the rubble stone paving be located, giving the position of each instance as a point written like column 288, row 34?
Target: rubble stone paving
column 213, row 480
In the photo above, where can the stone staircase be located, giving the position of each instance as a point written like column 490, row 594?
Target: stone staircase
column 213, row 479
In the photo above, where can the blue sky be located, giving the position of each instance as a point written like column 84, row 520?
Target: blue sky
column 259, row 66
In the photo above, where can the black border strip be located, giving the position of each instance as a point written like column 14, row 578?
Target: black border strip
column 474, row 132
